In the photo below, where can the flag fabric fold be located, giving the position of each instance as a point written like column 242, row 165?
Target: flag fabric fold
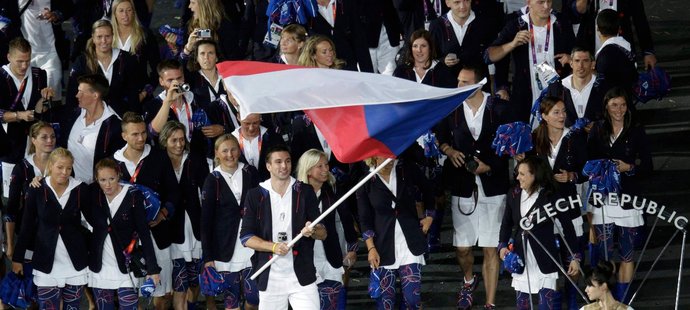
column 360, row 114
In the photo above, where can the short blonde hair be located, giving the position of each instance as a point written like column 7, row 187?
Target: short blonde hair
column 307, row 161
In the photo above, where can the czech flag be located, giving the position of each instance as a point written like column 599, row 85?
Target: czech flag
column 360, row 114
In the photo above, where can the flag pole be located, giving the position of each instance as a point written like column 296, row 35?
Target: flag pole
column 324, row 214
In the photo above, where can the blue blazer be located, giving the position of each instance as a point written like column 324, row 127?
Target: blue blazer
column 331, row 244
column 194, row 173
column 257, row 222
column 17, row 131
column 571, row 157
column 632, row 147
column 22, row 175
column 454, row 131
column 129, row 219
column 543, row 231
column 376, row 215
column 155, row 175
column 44, row 220
column 521, row 95
column 594, row 108
column 221, row 214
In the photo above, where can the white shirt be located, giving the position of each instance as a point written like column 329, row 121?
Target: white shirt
column 241, row 256
column 579, row 98
column 460, row 30
column 38, row 32
column 555, row 149
column 130, row 165
column 30, row 159
column 63, row 271
column 474, row 120
column 82, row 142
column 281, row 219
column 216, row 85
column 178, row 170
column 108, row 71
column 421, row 78
column 548, row 57
column 127, row 45
column 18, row 83
column 250, row 148
column 620, row 41
column 182, row 111
column 328, row 12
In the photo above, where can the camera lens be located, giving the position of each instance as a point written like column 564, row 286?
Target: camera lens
column 183, row 87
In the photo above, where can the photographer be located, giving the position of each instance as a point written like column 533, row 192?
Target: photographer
column 479, row 182
column 177, row 103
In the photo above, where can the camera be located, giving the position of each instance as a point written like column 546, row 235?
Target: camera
column 204, row 33
column 184, row 87
column 471, row 163
column 282, row 236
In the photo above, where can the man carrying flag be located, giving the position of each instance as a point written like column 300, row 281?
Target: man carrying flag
column 274, row 213
column 361, row 115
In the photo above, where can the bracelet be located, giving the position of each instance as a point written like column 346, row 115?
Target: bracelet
column 371, row 248
column 273, row 249
column 16, row 117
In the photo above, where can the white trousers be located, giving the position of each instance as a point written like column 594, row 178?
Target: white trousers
column 278, row 295
column 50, row 62
column 383, row 57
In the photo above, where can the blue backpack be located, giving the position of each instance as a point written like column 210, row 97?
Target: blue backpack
column 655, row 83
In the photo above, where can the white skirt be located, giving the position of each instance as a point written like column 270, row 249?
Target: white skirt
column 537, row 280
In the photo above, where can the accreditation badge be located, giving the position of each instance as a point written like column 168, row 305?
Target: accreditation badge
column 272, row 37
column 545, row 74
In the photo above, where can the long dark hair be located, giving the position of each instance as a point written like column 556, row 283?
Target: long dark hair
column 543, row 175
column 542, row 144
column 607, row 128
column 419, row 34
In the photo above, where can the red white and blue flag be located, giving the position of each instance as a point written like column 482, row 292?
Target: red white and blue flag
column 360, row 114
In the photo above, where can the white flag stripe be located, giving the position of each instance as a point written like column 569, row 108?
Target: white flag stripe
column 312, row 88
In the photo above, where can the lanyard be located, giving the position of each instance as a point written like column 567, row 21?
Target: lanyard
column 242, row 141
column 188, row 109
column 20, row 93
column 133, row 178
column 426, row 11
column 548, row 38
